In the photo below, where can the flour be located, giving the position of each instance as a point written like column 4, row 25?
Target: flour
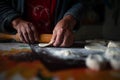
column 69, row 53
column 65, row 53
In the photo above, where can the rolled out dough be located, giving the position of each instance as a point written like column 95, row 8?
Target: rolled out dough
column 95, row 46
column 44, row 44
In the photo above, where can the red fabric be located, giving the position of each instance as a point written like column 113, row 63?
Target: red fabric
column 53, row 5
column 40, row 13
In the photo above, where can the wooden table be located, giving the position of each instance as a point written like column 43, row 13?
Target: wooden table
column 15, row 64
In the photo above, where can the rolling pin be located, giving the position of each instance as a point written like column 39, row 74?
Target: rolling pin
column 43, row 38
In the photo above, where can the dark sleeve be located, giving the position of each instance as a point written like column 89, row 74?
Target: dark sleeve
column 7, row 14
column 76, row 11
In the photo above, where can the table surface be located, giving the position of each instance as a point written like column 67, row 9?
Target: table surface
column 18, row 64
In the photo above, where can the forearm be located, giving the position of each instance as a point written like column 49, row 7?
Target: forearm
column 76, row 12
column 7, row 14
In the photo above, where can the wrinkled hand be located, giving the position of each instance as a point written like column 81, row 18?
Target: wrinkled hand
column 26, row 30
column 62, row 33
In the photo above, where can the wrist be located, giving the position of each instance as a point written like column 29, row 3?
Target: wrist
column 15, row 22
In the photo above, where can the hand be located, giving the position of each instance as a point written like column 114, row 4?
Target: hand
column 62, row 33
column 26, row 30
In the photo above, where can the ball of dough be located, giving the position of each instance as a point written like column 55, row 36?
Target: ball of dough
column 113, row 44
column 112, row 51
column 115, row 62
column 95, row 62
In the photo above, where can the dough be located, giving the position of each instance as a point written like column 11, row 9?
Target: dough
column 112, row 51
column 102, row 42
column 44, row 44
column 113, row 44
column 115, row 62
column 66, row 53
column 63, row 53
column 95, row 62
column 95, row 46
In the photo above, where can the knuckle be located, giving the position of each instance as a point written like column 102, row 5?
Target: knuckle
column 24, row 32
column 26, row 25
column 61, row 30
column 33, row 29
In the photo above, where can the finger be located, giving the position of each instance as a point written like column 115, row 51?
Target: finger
column 30, row 34
column 34, row 32
column 25, row 34
column 36, row 36
column 67, row 41
column 59, row 39
column 53, row 38
column 21, row 36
